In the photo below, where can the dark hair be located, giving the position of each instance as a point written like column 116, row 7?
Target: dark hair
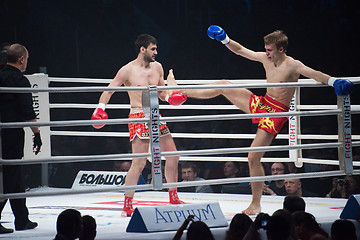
column 66, row 220
column 14, row 52
column 286, row 169
column 294, row 203
column 309, row 222
column 89, row 227
column 278, row 227
column 285, row 214
column 239, row 226
column 343, row 229
column 199, row 231
column 144, row 40
column 191, row 165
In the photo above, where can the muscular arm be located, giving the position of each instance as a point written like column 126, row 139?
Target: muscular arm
column 162, row 94
column 116, row 82
column 238, row 49
column 311, row 73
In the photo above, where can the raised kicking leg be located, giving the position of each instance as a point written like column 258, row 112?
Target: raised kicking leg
column 240, row 97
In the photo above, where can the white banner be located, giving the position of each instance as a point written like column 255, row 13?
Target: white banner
column 171, row 217
column 99, row 179
column 41, row 107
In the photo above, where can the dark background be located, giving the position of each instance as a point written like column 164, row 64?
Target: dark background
column 94, row 38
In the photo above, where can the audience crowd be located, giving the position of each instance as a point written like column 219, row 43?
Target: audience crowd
column 291, row 222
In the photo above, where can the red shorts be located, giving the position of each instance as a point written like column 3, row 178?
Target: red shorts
column 259, row 104
column 141, row 129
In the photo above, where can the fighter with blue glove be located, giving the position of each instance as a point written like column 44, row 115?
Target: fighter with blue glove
column 342, row 87
column 216, row 32
column 279, row 68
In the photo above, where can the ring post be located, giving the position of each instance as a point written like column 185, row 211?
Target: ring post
column 294, row 131
column 151, row 109
column 1, row 167
column 344, row 130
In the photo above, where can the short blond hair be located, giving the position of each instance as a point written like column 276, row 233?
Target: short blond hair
column 277, row 37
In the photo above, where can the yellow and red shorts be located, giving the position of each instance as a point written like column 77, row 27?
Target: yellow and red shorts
column 266, row 104
column 141, row 129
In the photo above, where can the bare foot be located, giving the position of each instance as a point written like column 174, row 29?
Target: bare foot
column 170, row 81
column 253, row 209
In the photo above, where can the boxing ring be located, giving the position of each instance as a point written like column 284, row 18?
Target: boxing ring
column 105, row 203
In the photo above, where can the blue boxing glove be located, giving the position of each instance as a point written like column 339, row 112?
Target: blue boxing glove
column 216, row 32
column 342, row 87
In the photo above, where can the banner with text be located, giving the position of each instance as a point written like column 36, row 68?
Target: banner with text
column 99, row 179
column 171, row 217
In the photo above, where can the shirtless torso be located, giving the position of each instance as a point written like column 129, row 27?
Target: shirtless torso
column 135, row 74
column 279, row 68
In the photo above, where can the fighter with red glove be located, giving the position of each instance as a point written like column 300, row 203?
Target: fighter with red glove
column 99, row 114
column 176, row 98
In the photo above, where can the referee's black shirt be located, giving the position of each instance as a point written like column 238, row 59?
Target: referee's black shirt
column 15, row 107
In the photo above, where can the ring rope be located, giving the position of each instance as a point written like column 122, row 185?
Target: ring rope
column 178, row 184
column 263, row 159
column 174, row 153
column 193, row 81
column 199, row 135
column 191, row 107
column 160, row 88
column 172, row 119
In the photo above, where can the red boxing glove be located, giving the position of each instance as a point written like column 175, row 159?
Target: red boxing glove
column 99, row 114
column 176, row 99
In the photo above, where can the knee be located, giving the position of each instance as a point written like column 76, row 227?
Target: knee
column 223, row 82
column 253, row 160
column 138, row 165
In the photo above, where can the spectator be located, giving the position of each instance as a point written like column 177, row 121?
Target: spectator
column 293, row 188
column 189, row 172
column 307, row 227
column 280, row 228
column 183, row 227
column 233, row 170
column 121, row 166
column 3, row 49
column 239, row 226
column 294, row 203
column 198, row 230
column 286, row 216
column 124, row 166
column 89, row 230
column 334, row 192
column 260, row 222
column 343, row 229
column 345, row 187
column 69, row 225
column 276, row 187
